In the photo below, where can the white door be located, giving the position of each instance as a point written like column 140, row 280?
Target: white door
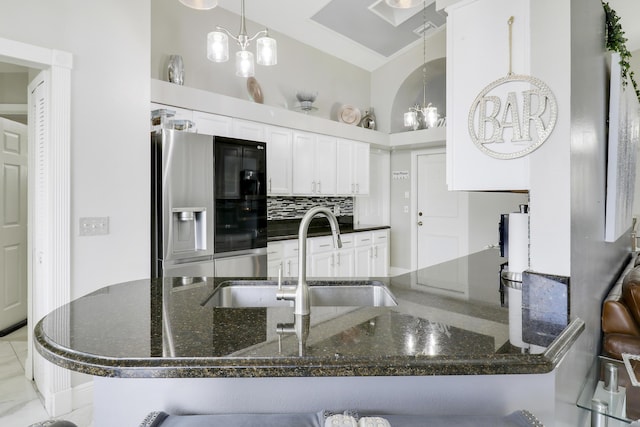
column 13, row 223
column 441, row 218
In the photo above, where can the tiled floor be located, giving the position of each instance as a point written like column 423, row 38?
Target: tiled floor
column 19, row 402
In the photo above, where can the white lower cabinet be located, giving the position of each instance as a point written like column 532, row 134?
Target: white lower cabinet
column 321, row 257
column 380, row 255
column 345, row 264
column 363, row 254
column 372, row 253
column 283, row 255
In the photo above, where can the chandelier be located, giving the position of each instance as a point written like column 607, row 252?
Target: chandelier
column 218, row 48
column 425, row 113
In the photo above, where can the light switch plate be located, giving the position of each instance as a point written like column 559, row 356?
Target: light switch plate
column 94, row 226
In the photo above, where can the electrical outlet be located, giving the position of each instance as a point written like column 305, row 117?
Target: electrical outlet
column 94, row 226
column 405, row 209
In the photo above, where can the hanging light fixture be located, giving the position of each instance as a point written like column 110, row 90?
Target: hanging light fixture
column 426, row 113
column 218, row 48
column 200, row 4
column 403, row 4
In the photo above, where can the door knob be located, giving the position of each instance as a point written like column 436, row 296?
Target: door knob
column 419, row 223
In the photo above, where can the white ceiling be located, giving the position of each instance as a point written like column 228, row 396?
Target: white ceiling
column 349, row 30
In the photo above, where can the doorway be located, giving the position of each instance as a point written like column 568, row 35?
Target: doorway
column 48, row 240
column 13, row 225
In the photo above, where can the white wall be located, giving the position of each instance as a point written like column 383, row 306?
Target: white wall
column 571, row 185
column 109, row 42
column 176, row 29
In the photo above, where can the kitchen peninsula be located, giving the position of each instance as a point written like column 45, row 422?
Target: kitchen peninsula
column 146, row 337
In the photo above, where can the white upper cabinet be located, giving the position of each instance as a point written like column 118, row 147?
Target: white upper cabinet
column 314, row 164
column 279, row 160
column 477, row 56
column 212, row 124
column 298, row 163
column 352, row 168
column 252, row 131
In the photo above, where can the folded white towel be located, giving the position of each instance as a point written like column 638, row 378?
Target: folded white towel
column 340, row 420
column 373, row 422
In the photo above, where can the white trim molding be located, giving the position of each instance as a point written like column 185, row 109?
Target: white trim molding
column 55, row 382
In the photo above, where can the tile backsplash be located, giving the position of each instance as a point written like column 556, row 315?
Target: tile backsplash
column 295, row 207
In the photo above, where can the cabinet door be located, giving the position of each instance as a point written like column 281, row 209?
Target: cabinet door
column 468, row 168
column 273, row 267
column 290, row 260
column 362, row 256
column 212, row 124
column 352, row 162
column 380, row 253
column 252, row 131
column 345, row 264
column 290, row 267
column 361, row 157
column 322, row 264
column 279, row 160
column 325, row 165
column 274, row 258
column 303, row 163
column 345, row 185
column 380, row 261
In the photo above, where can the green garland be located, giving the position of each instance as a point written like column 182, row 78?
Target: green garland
column 616, row 42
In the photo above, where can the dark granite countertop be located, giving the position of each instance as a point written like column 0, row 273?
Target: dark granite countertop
column 287, row 229
column 448, row 321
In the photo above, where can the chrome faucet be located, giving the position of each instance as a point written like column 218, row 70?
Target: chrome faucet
column 300, row 294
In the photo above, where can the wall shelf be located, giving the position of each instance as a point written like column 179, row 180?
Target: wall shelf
column 423, row 138
column 166, row 93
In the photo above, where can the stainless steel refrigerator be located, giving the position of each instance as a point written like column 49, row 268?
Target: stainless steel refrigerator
column 208, row 206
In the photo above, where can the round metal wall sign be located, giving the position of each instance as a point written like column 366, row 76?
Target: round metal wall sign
column 517, row 106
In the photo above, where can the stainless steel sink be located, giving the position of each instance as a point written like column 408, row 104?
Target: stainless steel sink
column 259, row 293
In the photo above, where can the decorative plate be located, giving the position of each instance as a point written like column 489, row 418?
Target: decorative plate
column 349, row 115
column 254, row 89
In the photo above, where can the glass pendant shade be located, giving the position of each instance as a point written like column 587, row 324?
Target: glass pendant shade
column 200, row 4
column 411, row 119
column 245, row 66
column 267, row 51
column 430, row 116
column 404, row 4
column 217, row 46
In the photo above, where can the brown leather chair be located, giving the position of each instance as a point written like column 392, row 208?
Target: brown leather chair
column 621, row 329
column 621, row 317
